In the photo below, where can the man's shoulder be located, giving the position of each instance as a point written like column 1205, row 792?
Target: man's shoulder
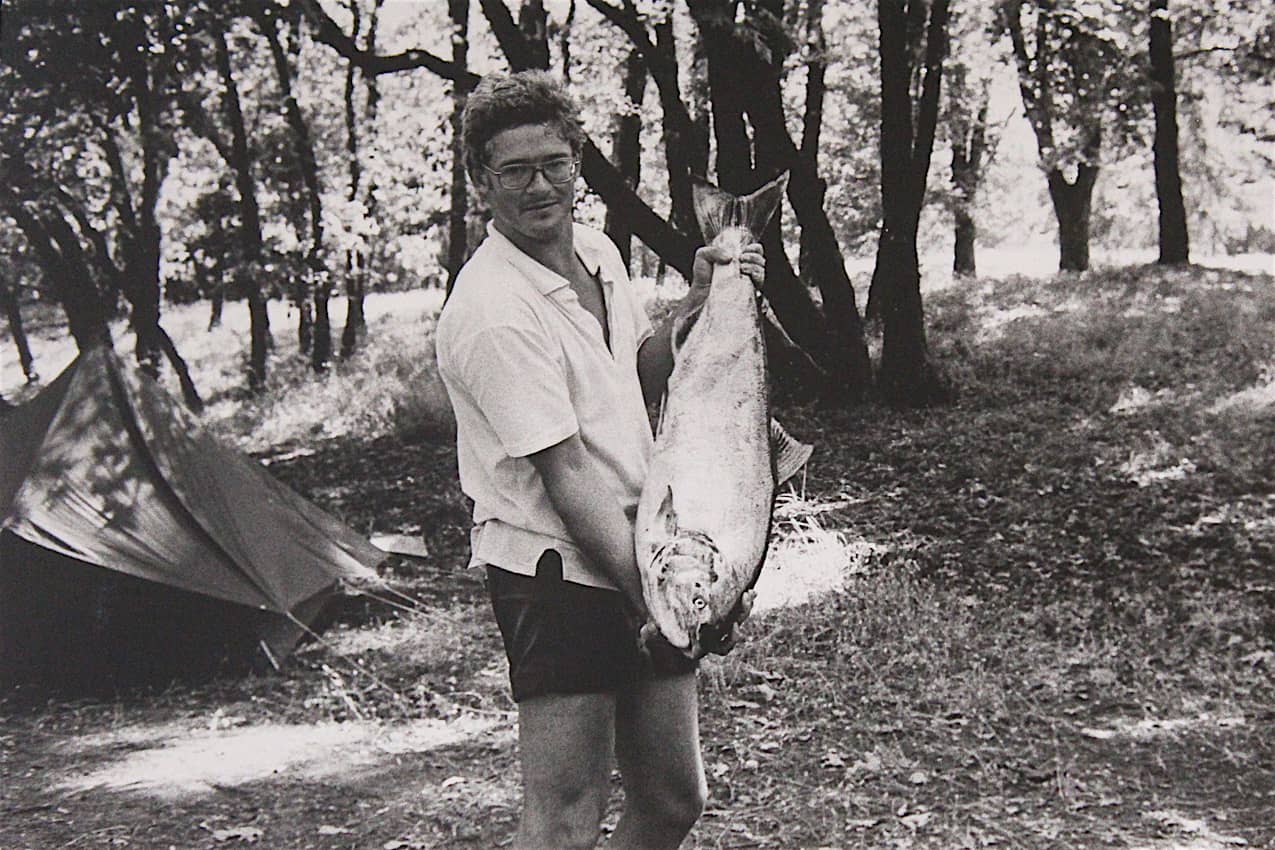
column 486, row 294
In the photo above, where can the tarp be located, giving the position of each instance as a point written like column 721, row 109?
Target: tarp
column 104, row 470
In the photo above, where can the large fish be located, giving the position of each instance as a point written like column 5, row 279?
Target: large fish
column 704, row 517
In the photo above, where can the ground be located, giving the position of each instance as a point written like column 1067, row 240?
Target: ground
column 1041, row 617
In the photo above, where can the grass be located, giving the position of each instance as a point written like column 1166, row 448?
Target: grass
column 1043, row 617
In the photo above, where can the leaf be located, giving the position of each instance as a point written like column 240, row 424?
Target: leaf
column 333, row 830
column 1100, row 734
column 832, row 760
column 919, row 777
column 250, row 834
column 916, row 820
column 870, row 763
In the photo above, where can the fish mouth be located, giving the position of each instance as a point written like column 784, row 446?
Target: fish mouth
column 679, row 592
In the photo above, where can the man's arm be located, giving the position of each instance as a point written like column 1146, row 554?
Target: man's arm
column 593, row 517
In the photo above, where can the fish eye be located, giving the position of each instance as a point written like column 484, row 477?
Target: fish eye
column 699, row 603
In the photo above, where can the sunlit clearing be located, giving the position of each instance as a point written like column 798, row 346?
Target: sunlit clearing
column 1255, row 399
column 198, row 761
column 805, row 558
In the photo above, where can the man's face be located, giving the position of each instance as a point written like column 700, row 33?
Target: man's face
column 540, row 212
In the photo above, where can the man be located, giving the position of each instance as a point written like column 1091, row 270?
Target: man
column 549, row 362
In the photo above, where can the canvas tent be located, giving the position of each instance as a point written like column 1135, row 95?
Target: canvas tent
column 134, row 545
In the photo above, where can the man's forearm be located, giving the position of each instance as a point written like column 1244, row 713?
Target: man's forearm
column 604, row 535
column 592, row 515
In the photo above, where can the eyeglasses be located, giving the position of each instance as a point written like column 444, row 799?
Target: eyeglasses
column 518, row 177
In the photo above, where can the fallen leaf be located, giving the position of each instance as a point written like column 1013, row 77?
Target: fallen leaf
column 916, row 820
column 1100, row 734
column 832, row 760
column 333, row 830
column 870, row 763
column 250, row 834
column 919, row 777
column 863, row 823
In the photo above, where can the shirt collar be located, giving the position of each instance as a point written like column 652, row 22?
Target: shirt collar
column 544, row 279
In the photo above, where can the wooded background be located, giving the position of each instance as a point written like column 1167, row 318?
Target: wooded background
column 251, row 150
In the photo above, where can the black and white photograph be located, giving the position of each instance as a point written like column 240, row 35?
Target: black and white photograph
column 637, row 424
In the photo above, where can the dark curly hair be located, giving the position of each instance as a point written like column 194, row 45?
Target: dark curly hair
column 501, row 101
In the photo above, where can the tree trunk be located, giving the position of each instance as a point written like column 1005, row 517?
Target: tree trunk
column 13, row 312
column 1072, row 203
column 67, row 271
column 968, row 144
column 1174, row 242
column 906, row 377
column 317, row 280
column 457, row 224
column 249, row 274
column 626, row 149
column 564, row 40
column 533, row 20
column 812, row 123
column 190, row 395
column 356, row 289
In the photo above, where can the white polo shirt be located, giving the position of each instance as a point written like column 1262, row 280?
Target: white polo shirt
column 526, row 366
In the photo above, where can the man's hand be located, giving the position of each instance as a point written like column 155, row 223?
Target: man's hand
column 752, row 264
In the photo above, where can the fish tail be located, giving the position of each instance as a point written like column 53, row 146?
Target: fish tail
column 719, row 212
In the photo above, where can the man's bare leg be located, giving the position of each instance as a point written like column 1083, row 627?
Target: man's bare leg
column 566, row 743
column 657, row 746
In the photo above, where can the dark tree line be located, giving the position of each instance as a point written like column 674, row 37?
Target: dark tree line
column 148, row 70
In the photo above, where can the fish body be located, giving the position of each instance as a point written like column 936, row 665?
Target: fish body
column 704, row 516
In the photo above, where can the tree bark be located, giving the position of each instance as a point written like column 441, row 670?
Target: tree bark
column 906, row 377
column 1072, row 202
column 316, row 280
column 626, row 149
column 249, row 273
column 67, row 271
column 1174, row 242
column 458, row 213
column 812, row 123
column 13, row 313
column 355, row 318
column 969, row 140
column 533, row 20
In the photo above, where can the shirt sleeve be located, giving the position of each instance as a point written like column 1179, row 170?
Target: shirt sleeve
column 519, row 383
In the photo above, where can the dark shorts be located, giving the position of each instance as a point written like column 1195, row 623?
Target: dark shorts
column 567, row 638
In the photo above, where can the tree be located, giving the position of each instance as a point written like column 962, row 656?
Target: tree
column 626, row 147
column 9, row 302
column 356, row 263
column 909, row 29
column 239, row 156
column 90, row 209
column 1174, row 240
column 457, row 220
column 1076, row 86
column 314, row 274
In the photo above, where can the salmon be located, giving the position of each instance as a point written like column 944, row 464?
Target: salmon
column 704, row 517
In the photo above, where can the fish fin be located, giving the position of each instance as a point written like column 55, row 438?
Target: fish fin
column 666, row 515
column 756, row 209
column 716, row 209
column 789, row 453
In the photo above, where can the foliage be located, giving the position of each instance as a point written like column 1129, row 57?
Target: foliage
column 1051, row 623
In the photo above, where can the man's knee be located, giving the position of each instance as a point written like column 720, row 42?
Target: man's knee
column 569, row 818
column 676, row 806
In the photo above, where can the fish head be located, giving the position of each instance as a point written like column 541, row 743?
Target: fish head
column 679, row 598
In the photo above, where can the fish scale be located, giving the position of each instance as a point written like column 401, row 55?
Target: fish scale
column 704, row 515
